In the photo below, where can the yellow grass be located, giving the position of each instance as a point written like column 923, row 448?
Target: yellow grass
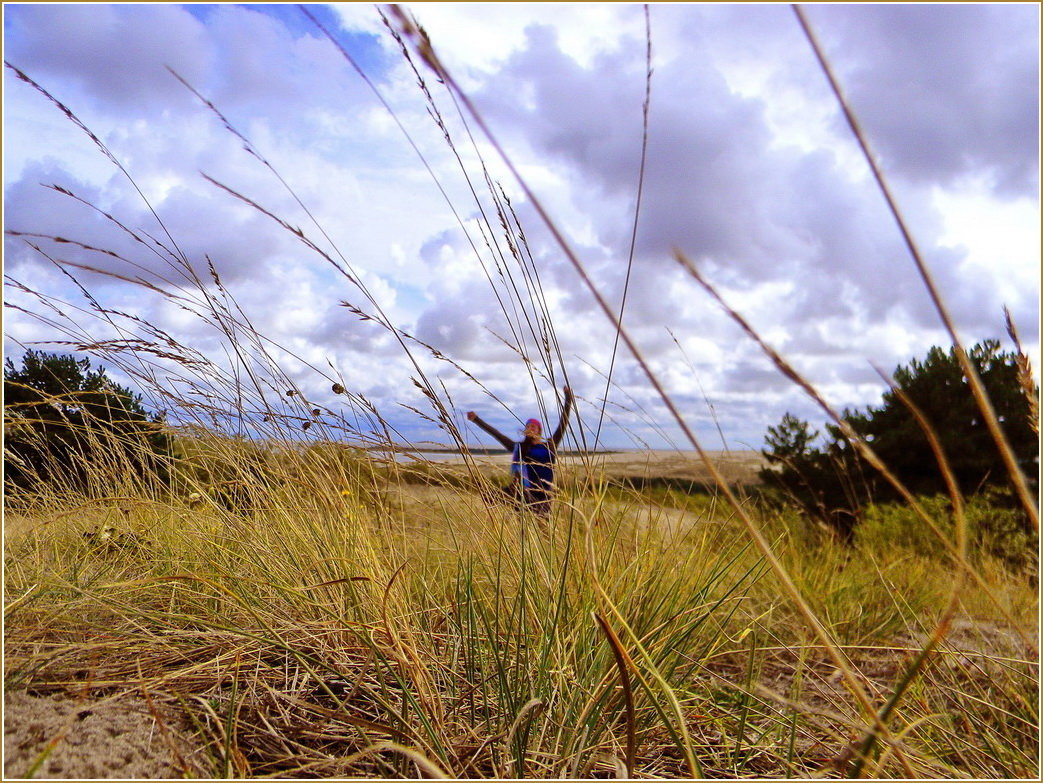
column 353, row 609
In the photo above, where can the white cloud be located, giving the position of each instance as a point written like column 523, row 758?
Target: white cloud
column 113, row 55
column 750, row 171
column 482, row 36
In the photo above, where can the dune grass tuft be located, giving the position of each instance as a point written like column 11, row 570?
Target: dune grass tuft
column 317, row 600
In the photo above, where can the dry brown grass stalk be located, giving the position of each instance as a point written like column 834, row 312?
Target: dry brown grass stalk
column 341, row 617
column 1025, row 379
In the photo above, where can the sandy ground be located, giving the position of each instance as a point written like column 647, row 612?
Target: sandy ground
column 74, row 738
column 680, row 464
column 734, row 466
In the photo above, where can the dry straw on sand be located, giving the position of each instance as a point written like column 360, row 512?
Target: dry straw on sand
column 292, row 606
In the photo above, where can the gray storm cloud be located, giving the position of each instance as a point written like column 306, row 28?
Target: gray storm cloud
column 945, row 95
column 944, row 100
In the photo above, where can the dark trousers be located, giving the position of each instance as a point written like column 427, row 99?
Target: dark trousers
column 536, row 500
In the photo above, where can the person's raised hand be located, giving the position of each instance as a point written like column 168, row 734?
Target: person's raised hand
column 471, row 415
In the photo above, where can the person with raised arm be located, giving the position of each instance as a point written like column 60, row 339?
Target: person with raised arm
column 533, row 459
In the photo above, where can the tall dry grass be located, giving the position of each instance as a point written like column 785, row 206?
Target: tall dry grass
column 316, row 606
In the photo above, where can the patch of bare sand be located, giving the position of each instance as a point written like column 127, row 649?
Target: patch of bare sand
column 90, row 738
column 427, row 507
column 734, row 466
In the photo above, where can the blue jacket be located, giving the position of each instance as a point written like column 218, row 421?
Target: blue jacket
column 533, row 462
column 535, row 465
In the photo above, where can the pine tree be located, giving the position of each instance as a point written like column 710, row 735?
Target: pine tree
column 832, row 483
column 62, row 419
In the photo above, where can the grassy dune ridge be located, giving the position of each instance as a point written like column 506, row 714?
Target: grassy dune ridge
column 293, row 605
column 351, row 618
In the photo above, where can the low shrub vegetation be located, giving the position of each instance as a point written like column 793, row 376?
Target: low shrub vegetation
column 312, row 602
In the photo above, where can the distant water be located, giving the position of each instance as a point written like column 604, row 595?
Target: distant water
column 487, row 454
column 442, row 455
column 484, row 454
column 447, row 456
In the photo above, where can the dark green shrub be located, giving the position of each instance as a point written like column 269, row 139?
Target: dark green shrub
column 832, row 483
column 67, row 426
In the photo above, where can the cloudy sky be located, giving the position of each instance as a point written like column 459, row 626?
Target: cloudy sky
column 750, row 171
